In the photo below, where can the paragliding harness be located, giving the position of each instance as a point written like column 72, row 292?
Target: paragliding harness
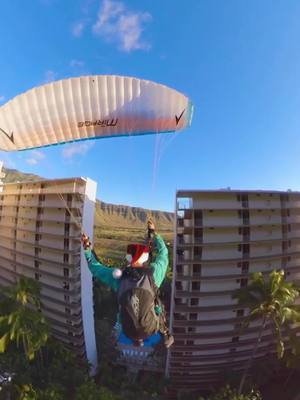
column 137, row 297
column 141, row 310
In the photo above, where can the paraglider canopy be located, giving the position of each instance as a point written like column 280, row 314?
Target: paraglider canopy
column 91, row 107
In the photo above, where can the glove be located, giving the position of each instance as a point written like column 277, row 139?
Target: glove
column 151, row 228
column 86, row 241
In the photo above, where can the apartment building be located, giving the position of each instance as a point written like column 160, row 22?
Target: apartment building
column 40, row 227
column 221, row 237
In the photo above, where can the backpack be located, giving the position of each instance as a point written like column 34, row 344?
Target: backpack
column 137, row 297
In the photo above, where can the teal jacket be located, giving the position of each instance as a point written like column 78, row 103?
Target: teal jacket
column 105, row 274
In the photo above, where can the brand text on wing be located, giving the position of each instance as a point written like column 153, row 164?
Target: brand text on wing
column 98, row 122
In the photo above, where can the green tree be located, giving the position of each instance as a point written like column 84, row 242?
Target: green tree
column 227, row 393
column 54, row 392
column 90, row 391
column 27, row 392
column 20, row 320
column 272, row 300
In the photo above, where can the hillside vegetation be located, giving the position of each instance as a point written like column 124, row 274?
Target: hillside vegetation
column 115, row 225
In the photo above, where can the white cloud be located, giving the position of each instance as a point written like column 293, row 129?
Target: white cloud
column 77, row 28
column 116, row 23
column 75, row 149
column 35, row 157
column 77, row 63
column 2, row 98
column 50, row 76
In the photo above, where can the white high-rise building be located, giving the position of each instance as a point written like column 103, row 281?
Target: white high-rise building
column 221, row 237
column 40, row 227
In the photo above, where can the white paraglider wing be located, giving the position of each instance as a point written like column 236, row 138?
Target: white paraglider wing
column 91, row 107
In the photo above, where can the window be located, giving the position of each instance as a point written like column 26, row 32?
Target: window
column 36, row 264
column 197, row 269
column 179, row 269
column 246, row 248
column 240, row 313
column 66, row 286
column 245, row 268
column 198, row 235
column 179, row 317
column 235, row 339
column 37, row 276
column 37, row 251
column 178, row 285
column 190, row 342
column 195, row 286
column 178, row 330
column 193, row 316
column 198, row 252
column 67, row 298
column 178, row 301
column 194, row 301
column 244, row 282
column 191, row 329
column 66, row 272
column 68, row 310
column 67, row 229
column 66, row 258
column 176, row 353
column 66, row 243
column 238, row 326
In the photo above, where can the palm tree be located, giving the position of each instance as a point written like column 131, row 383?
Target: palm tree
column 20, row 320
column 272, row 300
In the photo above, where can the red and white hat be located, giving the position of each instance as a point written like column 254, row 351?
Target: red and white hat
column 137, row 253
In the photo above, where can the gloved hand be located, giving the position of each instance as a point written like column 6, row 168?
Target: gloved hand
column 86, row 241
column 151, row 227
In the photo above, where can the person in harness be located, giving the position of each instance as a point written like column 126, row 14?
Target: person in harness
column 141, row 313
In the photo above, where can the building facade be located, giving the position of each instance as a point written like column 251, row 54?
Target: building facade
column 221, row 237
column 40, row 228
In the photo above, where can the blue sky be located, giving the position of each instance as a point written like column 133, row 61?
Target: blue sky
column 238, row 61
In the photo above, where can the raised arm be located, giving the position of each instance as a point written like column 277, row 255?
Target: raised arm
column 101, row 272
column 161, row 260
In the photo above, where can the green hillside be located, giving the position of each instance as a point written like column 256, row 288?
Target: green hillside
column 117, row 225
